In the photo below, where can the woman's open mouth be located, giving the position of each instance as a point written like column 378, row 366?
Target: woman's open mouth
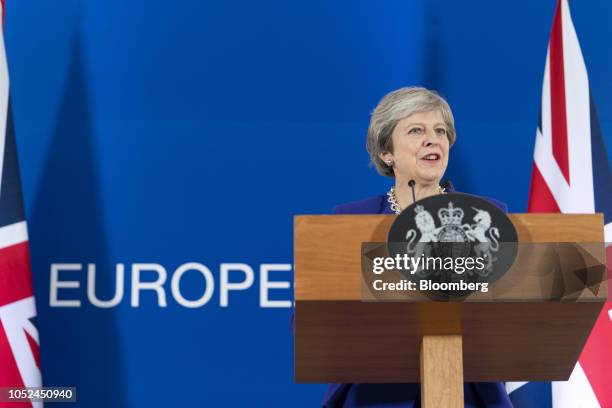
column 431, row 158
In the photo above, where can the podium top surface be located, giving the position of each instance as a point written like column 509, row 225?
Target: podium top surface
column 328, row 255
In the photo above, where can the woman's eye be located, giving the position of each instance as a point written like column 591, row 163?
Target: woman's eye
column 416, row 130
column 441, row 131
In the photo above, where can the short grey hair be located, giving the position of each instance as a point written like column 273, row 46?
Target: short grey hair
column 395, row 106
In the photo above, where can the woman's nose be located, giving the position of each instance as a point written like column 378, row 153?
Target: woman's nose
column 430, row 138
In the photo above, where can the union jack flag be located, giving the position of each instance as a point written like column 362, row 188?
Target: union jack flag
column 571, row 174
column 19, row 343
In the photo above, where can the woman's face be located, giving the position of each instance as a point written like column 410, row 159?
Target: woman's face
column 420, row 148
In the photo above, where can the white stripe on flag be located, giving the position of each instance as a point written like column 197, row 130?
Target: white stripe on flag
column 13, row 234
column 4, row 97
column 574, row 393
column 513, row 386
column 608, row 234
column 578, row 108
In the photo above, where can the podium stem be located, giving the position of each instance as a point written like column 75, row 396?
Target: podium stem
column 441, row 371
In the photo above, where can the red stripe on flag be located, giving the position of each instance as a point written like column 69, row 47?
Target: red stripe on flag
column 540, row 198
column 9, row 373
column 557, row 96
column 15, row 276
column 597, row 353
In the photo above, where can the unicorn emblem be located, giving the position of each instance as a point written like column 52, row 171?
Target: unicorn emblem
column 486, row 246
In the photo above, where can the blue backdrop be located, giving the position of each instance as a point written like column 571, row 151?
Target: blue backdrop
column 156, row 132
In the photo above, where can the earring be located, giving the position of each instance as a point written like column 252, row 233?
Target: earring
column 389, row 163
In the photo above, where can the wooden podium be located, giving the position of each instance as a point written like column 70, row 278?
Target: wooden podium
column 526, row 333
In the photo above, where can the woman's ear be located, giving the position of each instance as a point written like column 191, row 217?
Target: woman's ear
column 387, row 158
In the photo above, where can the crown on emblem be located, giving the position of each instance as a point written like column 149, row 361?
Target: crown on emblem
column 418, row 209
column 450, row 215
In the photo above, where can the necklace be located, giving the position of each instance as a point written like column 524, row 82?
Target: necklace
column 392, row 199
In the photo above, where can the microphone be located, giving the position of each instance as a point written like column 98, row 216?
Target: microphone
column 448, row 185
column 411, row 184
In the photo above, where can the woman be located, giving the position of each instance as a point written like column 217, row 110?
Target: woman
column 409, row 138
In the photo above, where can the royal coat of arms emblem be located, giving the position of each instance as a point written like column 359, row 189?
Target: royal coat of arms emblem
column 455, row 225
column 479, row 236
